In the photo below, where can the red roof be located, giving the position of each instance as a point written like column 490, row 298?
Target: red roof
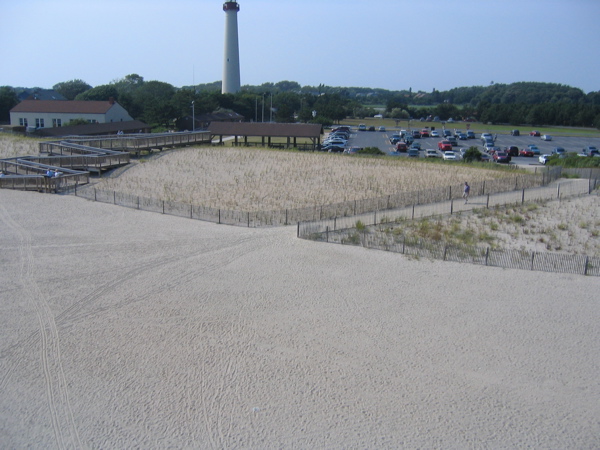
column 63, row 106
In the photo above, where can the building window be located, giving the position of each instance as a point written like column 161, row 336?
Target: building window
column 23, row 121
column 57, row 123
column 39, row 123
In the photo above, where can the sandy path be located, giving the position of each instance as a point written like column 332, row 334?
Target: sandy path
column 123, row 328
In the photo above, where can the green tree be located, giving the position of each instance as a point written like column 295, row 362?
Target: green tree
column 99, row 93
column 71, row 89
column 154, row 98
column 8, row 100
column 472, row 154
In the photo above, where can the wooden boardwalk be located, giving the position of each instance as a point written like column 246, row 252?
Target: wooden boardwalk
column 74, row 158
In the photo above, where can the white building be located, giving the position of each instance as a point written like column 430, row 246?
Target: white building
column 56, row 113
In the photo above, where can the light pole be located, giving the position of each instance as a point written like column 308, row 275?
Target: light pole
column 193, row 117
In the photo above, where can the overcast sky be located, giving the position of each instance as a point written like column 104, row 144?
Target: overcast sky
column 390, row 44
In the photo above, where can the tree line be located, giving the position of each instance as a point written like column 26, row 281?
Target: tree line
column 161, row 104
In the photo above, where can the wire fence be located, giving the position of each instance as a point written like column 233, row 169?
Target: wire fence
column 417, row 200
column 374, row 233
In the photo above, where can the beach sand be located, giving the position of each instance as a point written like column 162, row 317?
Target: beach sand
column 122, row 328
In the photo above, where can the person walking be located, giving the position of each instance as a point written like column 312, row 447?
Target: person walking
column 466, row 192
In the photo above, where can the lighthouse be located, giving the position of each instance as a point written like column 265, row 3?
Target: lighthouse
column 231, row 63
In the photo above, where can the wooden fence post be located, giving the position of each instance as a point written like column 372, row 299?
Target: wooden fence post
column 487, row 254
column 532, row 258
column 523, row 196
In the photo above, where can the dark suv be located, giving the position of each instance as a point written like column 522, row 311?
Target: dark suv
column 515, row 133
column 512, row 150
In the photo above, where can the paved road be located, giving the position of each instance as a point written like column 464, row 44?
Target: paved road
column 571, row 144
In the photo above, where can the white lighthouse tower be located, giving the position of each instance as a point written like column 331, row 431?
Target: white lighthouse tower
column 231, row 63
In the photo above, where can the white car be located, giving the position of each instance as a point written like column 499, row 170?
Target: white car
column 338, row 142
column 431, row 153
column 449, row 156
column 546, row 137
column 543, row 159
column 434, row 134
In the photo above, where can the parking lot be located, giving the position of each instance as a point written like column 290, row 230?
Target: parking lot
column 382, row 141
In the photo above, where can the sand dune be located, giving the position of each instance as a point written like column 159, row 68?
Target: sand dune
column 123, row 328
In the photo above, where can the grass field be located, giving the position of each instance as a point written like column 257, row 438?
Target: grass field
column 250, row 179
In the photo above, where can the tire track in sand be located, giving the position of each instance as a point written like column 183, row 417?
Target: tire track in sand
column 61, row 414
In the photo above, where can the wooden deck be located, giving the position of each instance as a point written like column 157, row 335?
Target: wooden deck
column 76, row 157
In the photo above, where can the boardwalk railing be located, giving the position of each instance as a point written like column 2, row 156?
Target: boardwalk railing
column 135, row 143
column 26, row 174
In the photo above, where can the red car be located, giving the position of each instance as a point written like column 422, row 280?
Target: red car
column 501, row 157
column 534, row 133
column 401, row 147
column 444, row 146
column 526, row 152
column 424, row 133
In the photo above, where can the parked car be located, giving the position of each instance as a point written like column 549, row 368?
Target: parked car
column 409, row 139
column 401, row 147
column 534, row 133
column 416, row 145
column 416, row 134
column 371, row 128
column 486, row 136
column 501, row 157
column 526, row 152
column 558, row 151
column 543, row 159
column 413, row 153
column 470, row 134
column 331, row 148
column 447, row 133
column 590, row 150
column 513, row 150
column 546, row 137
column 424, row 133
column 434, row 133
column 453, row 141
column 490, row 147
column 395, row 139
column 338, row 142
column 534, row 149
column 485, row 157
column 449, row 156
column 382, row 128
column 431, row 153
column 515, row 133
column 362, row 127
column 444, row 145
column 462, row 136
